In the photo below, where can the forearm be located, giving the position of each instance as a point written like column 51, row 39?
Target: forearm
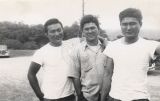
column 105, row 88
column 78, row 88
column 35, row 86
column 107, row 79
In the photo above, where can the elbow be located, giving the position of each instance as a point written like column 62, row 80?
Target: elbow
column 30, row 76
column 72, row 79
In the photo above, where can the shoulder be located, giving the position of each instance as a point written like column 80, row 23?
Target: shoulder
column 149, row 42
column 72, row 40
column 80, row 46
column 118, row 40
column 42, row 48
column 114, row 43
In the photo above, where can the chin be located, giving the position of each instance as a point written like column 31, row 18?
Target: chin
column 91, row 38
column 131, row 37
column 56, row 41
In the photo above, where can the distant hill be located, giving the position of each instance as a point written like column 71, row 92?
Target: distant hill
column 148, row 34
column 151, row 34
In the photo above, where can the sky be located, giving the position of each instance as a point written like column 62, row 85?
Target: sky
column 68, row 11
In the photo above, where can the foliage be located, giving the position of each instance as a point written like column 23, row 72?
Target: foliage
column 14, row 44
column 30, row 45
column 71, row 32
column 23, row 36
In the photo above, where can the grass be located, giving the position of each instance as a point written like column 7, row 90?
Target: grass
column 18, row 53
column 16, row 92
column 13, row 89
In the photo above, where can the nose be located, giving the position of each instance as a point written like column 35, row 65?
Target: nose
column 57, row 33
column 89, row 30
column 128, row 27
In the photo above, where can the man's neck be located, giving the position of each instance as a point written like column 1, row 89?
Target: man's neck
column 130, row 40
column 93, row 42
column 55, row 44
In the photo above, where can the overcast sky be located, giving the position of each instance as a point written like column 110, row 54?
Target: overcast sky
column 68, row 11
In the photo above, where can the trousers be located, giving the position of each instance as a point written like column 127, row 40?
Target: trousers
column 113, row 99
column 68, row 98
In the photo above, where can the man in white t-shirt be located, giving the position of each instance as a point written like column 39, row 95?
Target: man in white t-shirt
column 54, row 60
column 130, row 56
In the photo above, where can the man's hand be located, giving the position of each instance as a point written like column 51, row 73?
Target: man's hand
column 81, row 98
column 41, row 98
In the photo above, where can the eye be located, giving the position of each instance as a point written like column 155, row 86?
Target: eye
column 86, row 29
column 92, row 28
column 132, row 23
column 59, row 30
column 124, row 24
column 52, row 31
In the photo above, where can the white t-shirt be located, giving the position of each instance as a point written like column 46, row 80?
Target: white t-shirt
column 129, row 81
column 54, row 61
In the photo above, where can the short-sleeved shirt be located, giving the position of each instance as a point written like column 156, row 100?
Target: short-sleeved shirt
column 88, row 65
column 55, row 65
column 131, row 61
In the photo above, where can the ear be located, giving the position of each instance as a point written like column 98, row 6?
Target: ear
column 83, row 35
column 141, row 24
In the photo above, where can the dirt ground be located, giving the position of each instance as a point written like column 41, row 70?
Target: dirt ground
column 14, row 85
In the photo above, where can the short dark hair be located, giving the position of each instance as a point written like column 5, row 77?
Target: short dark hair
column 50, row 22
column 87, row 19
column 131, row 12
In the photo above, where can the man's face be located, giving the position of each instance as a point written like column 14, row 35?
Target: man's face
column 90, row 31
column 130, row 27
column 55, row 33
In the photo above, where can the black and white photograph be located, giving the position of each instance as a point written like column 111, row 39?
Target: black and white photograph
column 79, row 50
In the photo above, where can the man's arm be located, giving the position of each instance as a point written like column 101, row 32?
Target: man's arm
column 103, row 41
column 107, row 79
column 75, row 73
column 157, row 55
column 33, row 69
column 157, row 51
column 78, row 88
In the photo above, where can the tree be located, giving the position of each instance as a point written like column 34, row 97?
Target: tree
column 30, row 45
column 14, row 44
column 103, row 33
column 72, row 31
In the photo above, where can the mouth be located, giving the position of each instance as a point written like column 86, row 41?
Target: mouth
column 90, row 34
column 129, row 33
column 59, row 37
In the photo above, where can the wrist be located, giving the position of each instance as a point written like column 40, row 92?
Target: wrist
column 80, row 97
column 41, row 97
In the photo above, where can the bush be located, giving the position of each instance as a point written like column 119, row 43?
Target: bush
column 14, row 44
column 30, row 45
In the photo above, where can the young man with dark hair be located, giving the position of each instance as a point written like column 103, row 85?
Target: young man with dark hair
column 88, row 62
column 53, row 58
column 130, row 56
